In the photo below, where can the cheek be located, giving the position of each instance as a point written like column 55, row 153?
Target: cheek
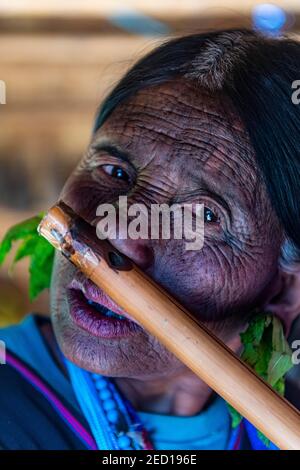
column 63, row 271
column 218, row 279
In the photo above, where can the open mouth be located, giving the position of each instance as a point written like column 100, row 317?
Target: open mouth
column 92, row 310
column 105, row 311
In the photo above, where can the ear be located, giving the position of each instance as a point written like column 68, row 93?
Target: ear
column 285, row 304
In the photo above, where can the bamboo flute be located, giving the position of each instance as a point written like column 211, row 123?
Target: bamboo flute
column 173, row 325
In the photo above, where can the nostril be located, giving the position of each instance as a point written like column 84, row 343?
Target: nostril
column 137, row 251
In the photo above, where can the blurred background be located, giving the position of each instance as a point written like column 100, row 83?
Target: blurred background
column 58, row 59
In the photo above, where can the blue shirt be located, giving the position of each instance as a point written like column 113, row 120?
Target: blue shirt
column 208, row 430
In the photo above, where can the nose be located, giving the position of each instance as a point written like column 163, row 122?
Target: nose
column 130, row 241
column 139, row 251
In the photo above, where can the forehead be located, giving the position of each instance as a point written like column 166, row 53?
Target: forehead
column 186, row 130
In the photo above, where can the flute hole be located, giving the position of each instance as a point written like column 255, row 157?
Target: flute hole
column 116, row 260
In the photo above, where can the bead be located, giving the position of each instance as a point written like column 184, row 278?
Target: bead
column 96, row 376
column 124, row 442
column 109, row 404
column 100, row 384
column 104, row 394
column 113, row 416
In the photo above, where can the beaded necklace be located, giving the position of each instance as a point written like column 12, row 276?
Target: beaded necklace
column 113, row 421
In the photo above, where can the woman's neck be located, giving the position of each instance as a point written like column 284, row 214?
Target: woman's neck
column 182, row 395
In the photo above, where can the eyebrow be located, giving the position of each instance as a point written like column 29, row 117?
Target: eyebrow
column 112, row 150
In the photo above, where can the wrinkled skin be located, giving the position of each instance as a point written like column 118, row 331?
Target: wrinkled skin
column 183, row 146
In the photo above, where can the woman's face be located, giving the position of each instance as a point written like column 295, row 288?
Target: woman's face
column 170, row 143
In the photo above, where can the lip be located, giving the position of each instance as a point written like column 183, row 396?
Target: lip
column 79, row 292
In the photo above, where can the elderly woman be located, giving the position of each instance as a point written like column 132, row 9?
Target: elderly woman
column 206, row 118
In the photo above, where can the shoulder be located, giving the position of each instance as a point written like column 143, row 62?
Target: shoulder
column 15, row 409
column 27, row 420
column 26, row 341
column 15, row 393
column 17, row 337
column 30, row 322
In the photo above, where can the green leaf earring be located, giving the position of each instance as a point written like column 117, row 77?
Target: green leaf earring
column 266, row 350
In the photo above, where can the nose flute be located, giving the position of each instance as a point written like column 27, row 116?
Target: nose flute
column 163, row 317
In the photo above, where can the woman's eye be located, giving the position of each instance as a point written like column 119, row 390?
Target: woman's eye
column 116, row 172
column 209, row 216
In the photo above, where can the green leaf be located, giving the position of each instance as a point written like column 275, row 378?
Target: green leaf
column 267, row 351
column 26, row 248
column 40, row 267
column 281, row 358
column 264, row 439
column 264, row 352
column 250, row 354
column 280, row 386
column 236, row 417
column 279, row 341
column 18, row 232
column 253, row 334
column 279, row 365
column 40, row 252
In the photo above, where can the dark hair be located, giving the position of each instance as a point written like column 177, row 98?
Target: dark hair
column 256, row 73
